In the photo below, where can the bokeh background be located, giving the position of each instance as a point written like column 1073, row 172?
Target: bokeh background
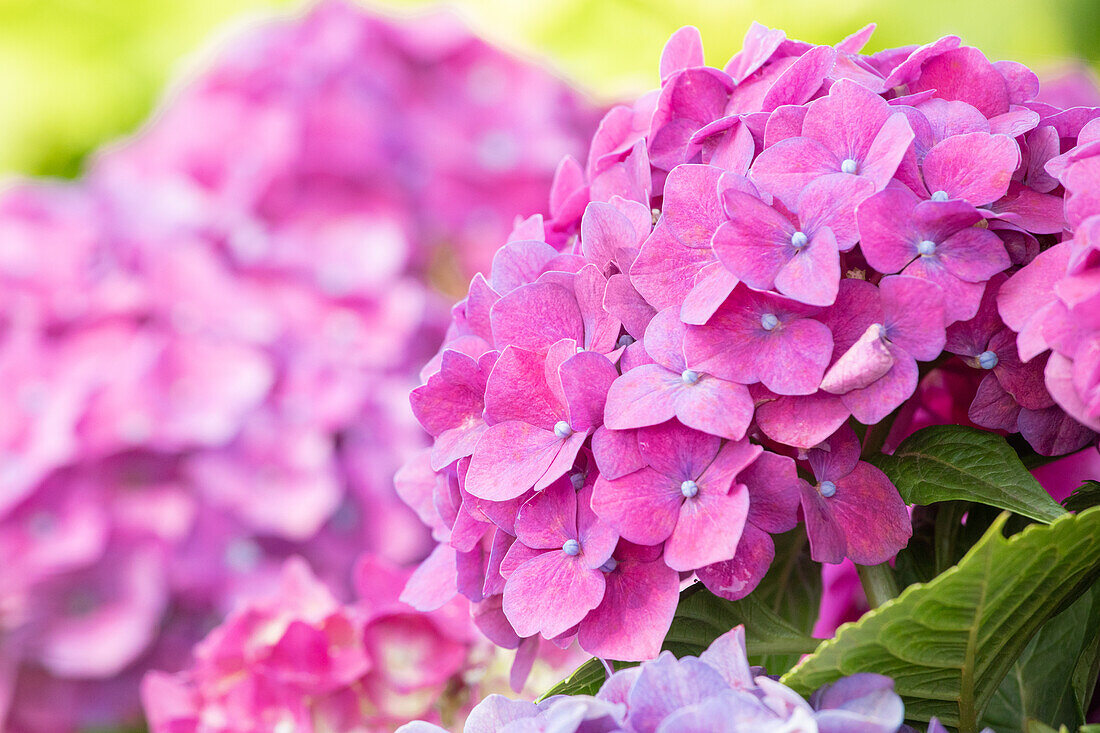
column 74, row 73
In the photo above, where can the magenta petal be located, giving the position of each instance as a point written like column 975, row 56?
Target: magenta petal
column 519, row 263
column 548, row 518
column 866, row 498
column 977, row 166
column 974, row 255
column 642, row 506
column 861, row 365
column 643, row 396
column 961, row 299
column 616, row 452
column 812, row 276
column 887, row 150
column 802, row 79
column 831, row 201
column 684, row 50
column 736, row 578
column 887, row 246
column 756, row 241
column 993, row 407
column 637, row 609
column 965, row 74
column 708, row 529
column 773, row 492
column 795, row 362
column 510, row 458
column 1059, row 379
column 563, row 461
column 664, row 340
column 598, row 538
column 677, row 451
column 665, row 269
column 914, row 315
column 787, row 167
column 586, row 378
column 517, row 390
column 713, row 284
column 551, row 593
column 692, row 210
column 537, row 315
column 802, row 421
column 625, row 303
column 434, row 582
column 873, row 403
column 714, row 406
column 827, row 542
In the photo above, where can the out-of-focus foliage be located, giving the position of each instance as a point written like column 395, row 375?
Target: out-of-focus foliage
column 76, row 72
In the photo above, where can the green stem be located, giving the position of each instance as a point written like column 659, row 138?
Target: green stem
column 878, row 582
column 875, row 436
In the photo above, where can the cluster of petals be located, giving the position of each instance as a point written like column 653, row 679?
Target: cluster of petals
column 716, row 691
column 207, row 339
column 298, row 661
column 756, row 267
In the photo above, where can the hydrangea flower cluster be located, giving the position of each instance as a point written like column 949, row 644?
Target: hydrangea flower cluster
column 762, row 273
column 207, row 340
column 716, row 691
column 300, row 661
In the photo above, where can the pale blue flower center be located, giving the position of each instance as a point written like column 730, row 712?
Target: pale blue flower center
column 939, row 196
column 577, row 479
column 799, row 240
column 689, row 489
column 769, row 321
column 571, row 547
column 562, row 429
column 610, row 565
column 689, row 376
column 827, row 489
column 848, row 166
column 625, row 340
column 926, row 248
column 988, row 360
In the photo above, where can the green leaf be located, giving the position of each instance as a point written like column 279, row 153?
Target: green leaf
column 1038, row 686
column 586, row 679
column 949, row 643
column 1084, row 496
column 956, row 463
column 792, row 586
column 701, row 617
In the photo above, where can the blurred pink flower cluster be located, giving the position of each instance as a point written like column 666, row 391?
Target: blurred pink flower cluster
column 207, row 341
column 299, row 661
column 761, row 274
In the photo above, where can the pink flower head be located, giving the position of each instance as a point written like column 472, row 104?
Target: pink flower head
column 852, row 132
column 554, row 576
column 849, row 496
column 759, row 337
column 686, row 496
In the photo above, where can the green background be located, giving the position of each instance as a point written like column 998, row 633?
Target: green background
column 75, row 73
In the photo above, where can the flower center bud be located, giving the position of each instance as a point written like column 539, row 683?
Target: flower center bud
column 571, row 547
column 827, row 489
column 610, row 565
column 988, row 360
column 577, row 479
column 939, row 196
column 562, row 429
column 799, row 240
column 689, row 489
column 848, row 166
column 689, row 376
column 625, row 340
column 926, row 248
column 656, row 213
column 769, row 321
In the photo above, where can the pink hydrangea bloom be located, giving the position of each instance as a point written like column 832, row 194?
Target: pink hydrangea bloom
column 208, row 338
column 753, row 263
